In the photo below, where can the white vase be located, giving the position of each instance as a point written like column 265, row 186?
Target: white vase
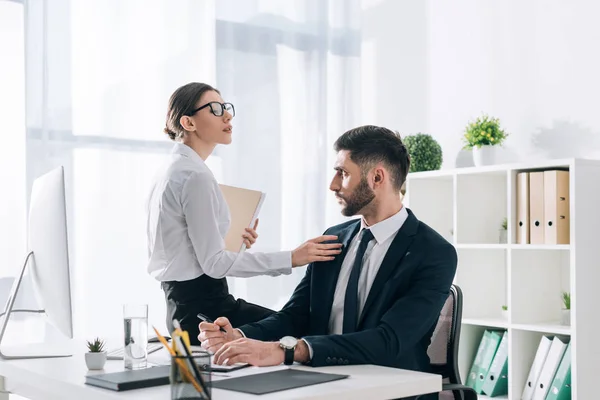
column 505, row 314
column 566, row 317
column 95, row 360
column 484, row 155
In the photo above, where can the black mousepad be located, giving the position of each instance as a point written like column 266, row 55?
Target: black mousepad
column 275, row 381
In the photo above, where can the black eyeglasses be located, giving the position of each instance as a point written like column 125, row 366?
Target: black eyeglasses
column 216, row 109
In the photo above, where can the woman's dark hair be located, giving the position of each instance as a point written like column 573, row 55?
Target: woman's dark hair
column 182, row 102
column 369, row 145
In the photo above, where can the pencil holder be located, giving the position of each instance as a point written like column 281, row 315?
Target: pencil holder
column 188, row 382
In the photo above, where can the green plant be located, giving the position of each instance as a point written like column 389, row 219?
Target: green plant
column 504, row 308
column 425, row 153
column 566, row 298
column 505, row 224
column 96, row 346
column 484, row 131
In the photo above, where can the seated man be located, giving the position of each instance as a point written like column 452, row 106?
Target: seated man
column 379, row 301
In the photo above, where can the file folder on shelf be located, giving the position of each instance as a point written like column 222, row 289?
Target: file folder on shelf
column 556, row 207
column 536, row 207
column 523, row 208
column 473, row 372
column 493, row 342
column 555, row 354
column 496, row 381
column 536, row 367
column 560, row 389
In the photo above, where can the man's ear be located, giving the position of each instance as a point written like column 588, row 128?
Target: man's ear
column 378, row 176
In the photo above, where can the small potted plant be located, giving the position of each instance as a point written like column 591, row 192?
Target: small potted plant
column 566, row 311
column 505, row 312
column 96, row 357
column 424, row 151
column 503, row 231
column 483, row 136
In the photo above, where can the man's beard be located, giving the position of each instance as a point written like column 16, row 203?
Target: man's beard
column 360, row 198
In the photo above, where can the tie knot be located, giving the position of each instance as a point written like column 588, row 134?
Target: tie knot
column 367, row 236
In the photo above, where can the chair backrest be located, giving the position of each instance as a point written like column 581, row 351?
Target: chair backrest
column 443, row 349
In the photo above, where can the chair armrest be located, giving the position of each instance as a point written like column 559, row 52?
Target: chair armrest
column 468, row 392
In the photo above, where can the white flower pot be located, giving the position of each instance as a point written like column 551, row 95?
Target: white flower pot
column 95, row 360
column 505, row 314
column 566, row 317
column 503, row 236
column 484, row 155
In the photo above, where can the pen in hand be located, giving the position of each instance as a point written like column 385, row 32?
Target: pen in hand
column 210, row 321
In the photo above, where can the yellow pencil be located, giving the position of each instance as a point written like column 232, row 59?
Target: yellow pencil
column 186, row 372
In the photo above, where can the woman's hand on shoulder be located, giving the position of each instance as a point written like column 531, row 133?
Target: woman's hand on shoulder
column 314, row 250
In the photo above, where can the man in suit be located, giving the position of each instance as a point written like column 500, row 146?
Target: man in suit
column 378, row 302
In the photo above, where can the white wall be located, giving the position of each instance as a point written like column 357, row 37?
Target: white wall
column 532, row 63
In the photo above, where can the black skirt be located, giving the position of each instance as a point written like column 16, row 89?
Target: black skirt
column 185, row 299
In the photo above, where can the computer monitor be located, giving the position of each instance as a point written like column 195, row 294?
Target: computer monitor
column 48, row 262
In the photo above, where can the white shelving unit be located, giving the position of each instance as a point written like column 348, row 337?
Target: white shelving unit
column 467, row 207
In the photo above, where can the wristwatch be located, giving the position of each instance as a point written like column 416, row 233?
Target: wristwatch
column 288, row 344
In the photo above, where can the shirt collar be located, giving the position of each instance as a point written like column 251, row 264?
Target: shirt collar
column 186, row 151
column 386, row 228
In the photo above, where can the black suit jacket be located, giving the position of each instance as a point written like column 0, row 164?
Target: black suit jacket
column 400, row 313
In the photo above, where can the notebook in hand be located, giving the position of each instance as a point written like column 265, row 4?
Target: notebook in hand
column 131, row 379
column 275, row 381
column 244, row 206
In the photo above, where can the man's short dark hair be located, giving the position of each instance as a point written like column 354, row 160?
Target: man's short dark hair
column 369, row 145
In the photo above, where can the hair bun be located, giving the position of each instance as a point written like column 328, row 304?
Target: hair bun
column 169, row 132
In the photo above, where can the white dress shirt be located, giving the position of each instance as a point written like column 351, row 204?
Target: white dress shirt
column 384, row 233
column 187, row 220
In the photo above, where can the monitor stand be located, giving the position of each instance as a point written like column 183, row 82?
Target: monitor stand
column 27, row 351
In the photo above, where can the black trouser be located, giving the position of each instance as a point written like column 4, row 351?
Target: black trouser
column 210, row 297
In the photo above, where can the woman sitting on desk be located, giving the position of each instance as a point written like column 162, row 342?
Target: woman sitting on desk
column 188, row 218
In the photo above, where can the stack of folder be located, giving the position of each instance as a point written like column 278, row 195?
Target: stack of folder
column 550, row 374
column 543, row 207
column 489, row 371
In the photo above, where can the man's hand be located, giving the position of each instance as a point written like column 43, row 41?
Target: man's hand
column 315, row 250
column 250, row 236
column 254, row 352
column 211, row 338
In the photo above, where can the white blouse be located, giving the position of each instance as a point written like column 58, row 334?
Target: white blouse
column 187, row 220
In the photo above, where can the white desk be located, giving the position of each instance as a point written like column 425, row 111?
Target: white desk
column 63, row 379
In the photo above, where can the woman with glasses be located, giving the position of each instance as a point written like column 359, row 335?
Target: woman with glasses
column 188, row 218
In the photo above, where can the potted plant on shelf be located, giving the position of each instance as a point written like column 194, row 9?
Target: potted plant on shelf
column 566, row 311
column 483, row 136
column 505, row 312
column 96, row 357
column 503, row 238
column 425, row 153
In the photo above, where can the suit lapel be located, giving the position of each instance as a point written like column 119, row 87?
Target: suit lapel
column 397, row 250
column 330, row 279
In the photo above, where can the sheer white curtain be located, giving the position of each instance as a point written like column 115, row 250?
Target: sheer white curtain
column 99, row 74
column 291, row 69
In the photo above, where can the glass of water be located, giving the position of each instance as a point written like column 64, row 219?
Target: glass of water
column 135, row 321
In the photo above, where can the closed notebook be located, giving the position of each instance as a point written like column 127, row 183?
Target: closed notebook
column 131, row 379
column 244, row 206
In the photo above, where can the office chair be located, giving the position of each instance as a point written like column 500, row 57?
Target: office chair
column 443, row 350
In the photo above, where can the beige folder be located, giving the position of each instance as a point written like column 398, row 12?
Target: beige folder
column 556, row 207
column 244, row 206
column 536, row 207
column 523, row 208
